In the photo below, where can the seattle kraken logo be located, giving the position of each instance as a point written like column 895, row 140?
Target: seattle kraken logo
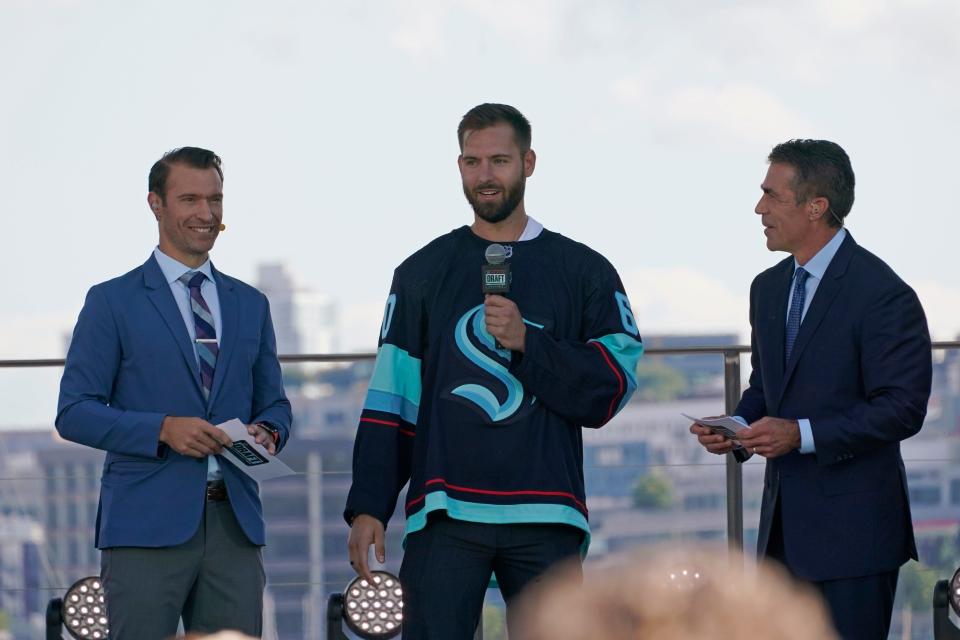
column 478, row 394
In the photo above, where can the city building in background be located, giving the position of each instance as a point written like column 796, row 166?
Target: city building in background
column 305, row 321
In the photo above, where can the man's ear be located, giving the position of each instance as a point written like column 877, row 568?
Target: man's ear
column 818, row 207
column 154, row 202
column 529, row 162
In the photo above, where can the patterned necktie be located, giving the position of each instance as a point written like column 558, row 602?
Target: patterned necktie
column 206, row 341
column 796, row 309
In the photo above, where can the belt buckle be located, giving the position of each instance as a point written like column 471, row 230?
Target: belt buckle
column 216, row 491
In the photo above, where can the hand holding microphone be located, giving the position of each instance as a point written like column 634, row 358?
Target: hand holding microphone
column 502, row 317
column 504, row 322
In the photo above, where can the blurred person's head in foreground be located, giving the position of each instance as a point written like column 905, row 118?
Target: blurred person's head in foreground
column 673, row 594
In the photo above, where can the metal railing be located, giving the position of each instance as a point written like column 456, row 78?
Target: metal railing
column 732, row 389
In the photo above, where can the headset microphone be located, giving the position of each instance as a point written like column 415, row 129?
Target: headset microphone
column 222, row 227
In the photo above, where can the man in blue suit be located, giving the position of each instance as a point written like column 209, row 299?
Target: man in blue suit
column 841, row 374
column 159, row 356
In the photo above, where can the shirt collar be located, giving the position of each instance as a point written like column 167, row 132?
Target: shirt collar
column 172, row 269
column 817, row 265
column 531, row 231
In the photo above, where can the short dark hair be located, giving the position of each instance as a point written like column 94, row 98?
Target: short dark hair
column 191, row 156
column 489, row 114
column 822, row 169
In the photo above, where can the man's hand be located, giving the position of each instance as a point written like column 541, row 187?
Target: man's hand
column 193, row 437
column 504, row 322
column 263, row 437
column 771, row 437
column 712, row 442
column 364, row 531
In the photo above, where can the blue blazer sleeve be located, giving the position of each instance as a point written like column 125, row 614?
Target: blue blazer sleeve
column 753, row 405
column 896, row 365
column 270, row 403
column 84, row 414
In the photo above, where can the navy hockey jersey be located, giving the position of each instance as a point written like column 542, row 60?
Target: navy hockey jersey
column 485, row 434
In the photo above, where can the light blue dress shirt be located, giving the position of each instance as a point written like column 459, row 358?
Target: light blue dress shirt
column 816, row 267
column 172, row 270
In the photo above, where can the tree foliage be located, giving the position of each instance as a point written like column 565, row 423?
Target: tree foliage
column 653, row 492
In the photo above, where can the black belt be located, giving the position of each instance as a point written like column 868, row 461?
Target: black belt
column 216, row 491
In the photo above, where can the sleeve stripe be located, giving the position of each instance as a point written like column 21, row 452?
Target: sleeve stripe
column 391, row 403
column 626, row 351
column 396, row 372
column 620, row 386
column 386, row 423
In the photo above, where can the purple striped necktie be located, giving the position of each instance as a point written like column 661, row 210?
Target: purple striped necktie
column 205, row 343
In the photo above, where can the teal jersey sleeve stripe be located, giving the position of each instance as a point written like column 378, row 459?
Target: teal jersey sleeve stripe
column 390, row 403
column 498, row 514
column 626, row 350
column 396, row 375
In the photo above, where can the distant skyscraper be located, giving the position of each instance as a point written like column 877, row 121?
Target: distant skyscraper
column 305, row 320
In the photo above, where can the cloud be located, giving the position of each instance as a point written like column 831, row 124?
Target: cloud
column 36, row 335
column 421, row 30
column 942, row 305
column 540, row 27
column 684, row 300
column 848, row 14
column 730, row 112
column 741, row 111
column 360, row 325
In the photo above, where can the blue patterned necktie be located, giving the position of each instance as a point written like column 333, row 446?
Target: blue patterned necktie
column 796, row 309
column 206, row 340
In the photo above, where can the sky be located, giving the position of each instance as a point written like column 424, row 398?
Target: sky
column 336, row 123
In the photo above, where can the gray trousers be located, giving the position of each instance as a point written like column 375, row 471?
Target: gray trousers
column 214, row 581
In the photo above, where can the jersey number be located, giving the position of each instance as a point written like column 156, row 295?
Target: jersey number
column 388, row 315
column 626, row 314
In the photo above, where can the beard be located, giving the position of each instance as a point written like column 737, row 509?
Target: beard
column 493, row 212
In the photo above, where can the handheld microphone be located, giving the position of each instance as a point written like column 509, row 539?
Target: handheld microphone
column 222, row 227
column 496, row 276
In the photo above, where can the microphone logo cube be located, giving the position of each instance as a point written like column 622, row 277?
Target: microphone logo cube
column 496, row 278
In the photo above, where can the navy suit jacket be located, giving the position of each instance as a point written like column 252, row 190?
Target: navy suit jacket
column 130, row 364
column 861, row 371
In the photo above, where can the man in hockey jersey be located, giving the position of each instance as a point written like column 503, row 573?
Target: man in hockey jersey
column 478, row 400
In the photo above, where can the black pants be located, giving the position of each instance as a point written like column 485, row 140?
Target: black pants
column 447, row 566
column 861, row 607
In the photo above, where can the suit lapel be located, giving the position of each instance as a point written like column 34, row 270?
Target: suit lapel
column 158, row 290
column 777, row 320
column 826, row 293
column 229, row 320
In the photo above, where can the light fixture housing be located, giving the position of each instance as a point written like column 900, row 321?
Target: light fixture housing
column 374, row 610
column 955, row 592
column 84, row 610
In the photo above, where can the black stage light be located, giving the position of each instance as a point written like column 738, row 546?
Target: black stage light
column 82, row 611
column 371, row 610
column 946, row 592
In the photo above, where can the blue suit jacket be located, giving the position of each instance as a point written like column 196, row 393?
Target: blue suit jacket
column 130, row 364
column 861, row 371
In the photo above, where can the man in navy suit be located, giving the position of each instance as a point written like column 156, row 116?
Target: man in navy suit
column 841, row 374
column 159, row 356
